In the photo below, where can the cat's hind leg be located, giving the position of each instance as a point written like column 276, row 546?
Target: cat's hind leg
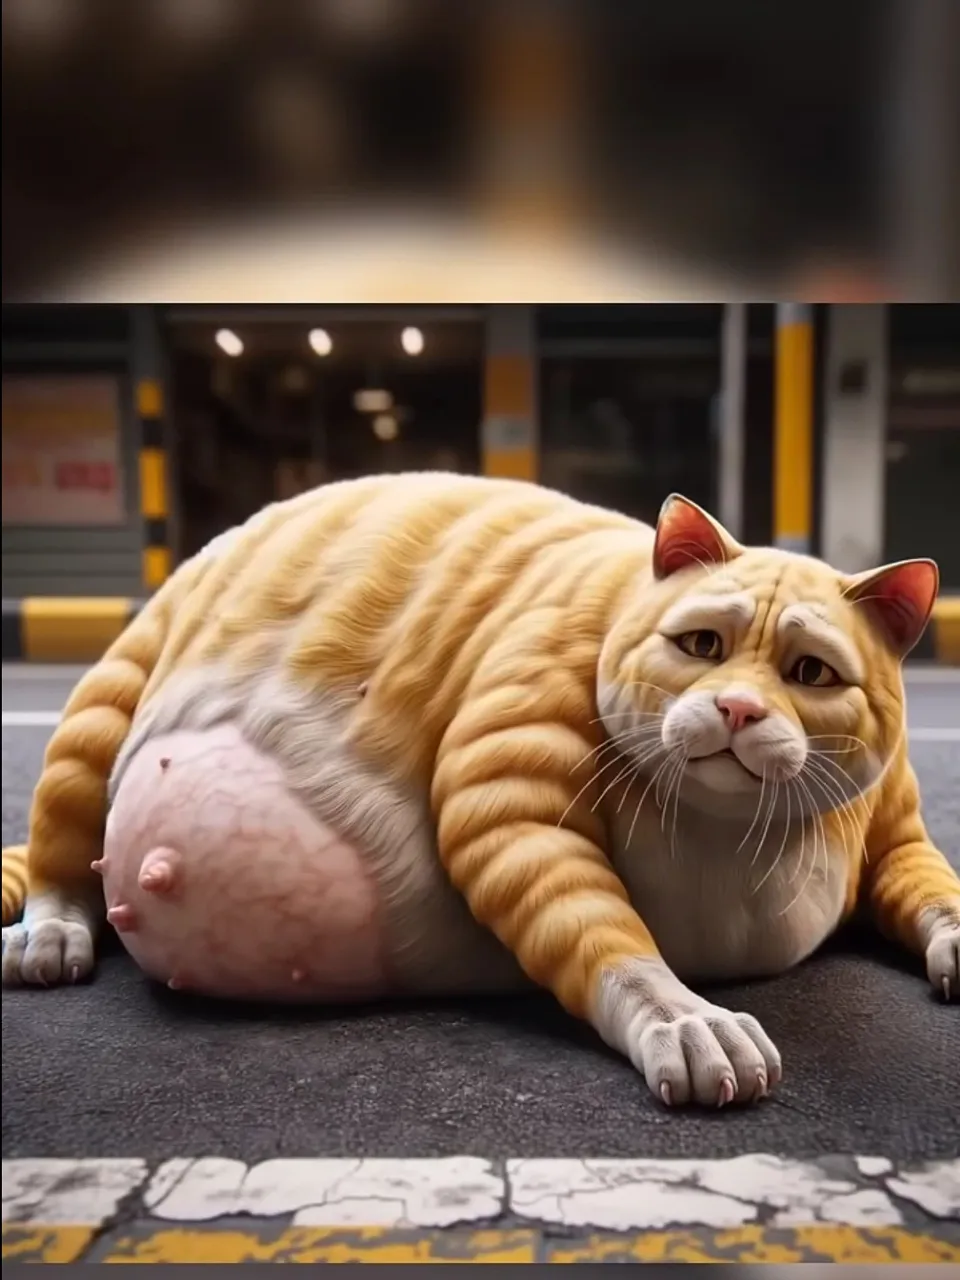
column 60, row 896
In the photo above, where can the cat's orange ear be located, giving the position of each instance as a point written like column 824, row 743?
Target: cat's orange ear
column 900, row 598
column 687, row 536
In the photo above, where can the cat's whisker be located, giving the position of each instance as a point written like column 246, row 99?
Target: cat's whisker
column 648, row 684
column 670, row 756
column 849, row 802
column 634, row 764
column 842, row 806
column 636, row 712
column 803, row 833
column 771, row 806
column 594, row 778
column 676, row 806
column 628, row 736
column 813, row 865
column 756, row 816
column 783, row 843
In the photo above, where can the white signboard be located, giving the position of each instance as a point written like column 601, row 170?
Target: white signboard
column 61, row 450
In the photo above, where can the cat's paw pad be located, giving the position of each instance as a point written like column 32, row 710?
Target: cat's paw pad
column 711, row 1058
column 943, row 960
column 47, row 953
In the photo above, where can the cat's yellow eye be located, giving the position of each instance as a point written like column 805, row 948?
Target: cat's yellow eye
column 701, row 644
column 814, row 672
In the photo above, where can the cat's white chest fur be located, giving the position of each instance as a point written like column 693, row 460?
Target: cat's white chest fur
column 715, row 910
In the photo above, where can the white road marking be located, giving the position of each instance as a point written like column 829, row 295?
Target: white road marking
column 618, row 1195
column 50, row 719
column 933, row 674
column 935, row 1189
column 76, row 1193
column 405, row 1193
column 31, row 719
column 648, row 1195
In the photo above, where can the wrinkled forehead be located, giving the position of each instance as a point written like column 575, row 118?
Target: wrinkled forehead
column 795, row 601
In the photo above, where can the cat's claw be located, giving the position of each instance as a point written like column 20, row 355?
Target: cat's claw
column 943, row 960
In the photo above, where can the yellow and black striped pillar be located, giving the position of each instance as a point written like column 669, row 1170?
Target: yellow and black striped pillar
column 509, row 441
column 154, row 485
column 793, row 429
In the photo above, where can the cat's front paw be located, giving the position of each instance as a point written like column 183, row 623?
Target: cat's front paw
column 943, row 959
column 711, row 1057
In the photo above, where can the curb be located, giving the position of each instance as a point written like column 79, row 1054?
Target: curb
column 750, row 1208
column 64, row 629
column 81, row 629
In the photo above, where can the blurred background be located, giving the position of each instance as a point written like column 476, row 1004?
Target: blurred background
column 620, row 248
column 511, row 151
column 134, row 433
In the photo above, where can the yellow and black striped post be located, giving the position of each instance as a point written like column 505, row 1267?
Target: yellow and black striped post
column 154, row 485
column 510, row 443
column 793, row 429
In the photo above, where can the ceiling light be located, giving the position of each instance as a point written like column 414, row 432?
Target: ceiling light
column 385, row 426
column 412, row 341
column 229, row 342
column 372, row 400
column 320, row 341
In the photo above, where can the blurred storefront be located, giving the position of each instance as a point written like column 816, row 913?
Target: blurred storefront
column 131, row 435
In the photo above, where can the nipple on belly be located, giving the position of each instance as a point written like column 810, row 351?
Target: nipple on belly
column 160, row 871
column 123, row 918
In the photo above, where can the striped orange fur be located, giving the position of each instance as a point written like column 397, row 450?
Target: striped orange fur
column 481, row 617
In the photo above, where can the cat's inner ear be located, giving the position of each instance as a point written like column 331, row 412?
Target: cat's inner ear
column 899, row 598
column 687, row 536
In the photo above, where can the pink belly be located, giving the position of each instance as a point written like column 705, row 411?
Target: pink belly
column 219, row 881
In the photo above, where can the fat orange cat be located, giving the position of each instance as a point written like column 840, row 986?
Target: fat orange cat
column 434, row 733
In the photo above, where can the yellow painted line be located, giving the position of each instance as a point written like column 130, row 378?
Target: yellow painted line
column 153, row 484
column 157, row 564
column 45, row 1244
column 793, row 435
column 71, row 630
column 764, row 1245
column 510, row 464
column 149, row 398
column 946, row 630
column 147, row 1242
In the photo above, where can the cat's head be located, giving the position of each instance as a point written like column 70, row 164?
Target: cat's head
column 756, row 666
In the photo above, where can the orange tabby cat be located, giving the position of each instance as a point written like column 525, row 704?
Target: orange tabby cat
column 435, row 733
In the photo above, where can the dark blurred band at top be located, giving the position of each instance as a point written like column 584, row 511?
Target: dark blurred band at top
column 433, row 150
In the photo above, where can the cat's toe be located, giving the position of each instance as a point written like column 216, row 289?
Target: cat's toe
column 710, row 1059
column 47, row 953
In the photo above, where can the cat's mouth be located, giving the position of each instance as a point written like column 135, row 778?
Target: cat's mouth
column 728, row 754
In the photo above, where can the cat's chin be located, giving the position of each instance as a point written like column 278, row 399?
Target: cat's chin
column 720, row 784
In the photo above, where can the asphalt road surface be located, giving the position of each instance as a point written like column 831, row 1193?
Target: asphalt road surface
column 120, row 1068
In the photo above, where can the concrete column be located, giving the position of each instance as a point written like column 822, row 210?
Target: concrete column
column 855, row 430
column 732, row 405
column 510, row 436
column 793, row 428
column 147, row 365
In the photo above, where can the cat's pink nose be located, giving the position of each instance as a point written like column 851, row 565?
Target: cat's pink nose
column 740, row 709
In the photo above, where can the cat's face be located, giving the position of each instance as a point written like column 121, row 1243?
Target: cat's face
column 757, row 670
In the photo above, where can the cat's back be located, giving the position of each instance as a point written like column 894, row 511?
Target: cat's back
column 356, row 554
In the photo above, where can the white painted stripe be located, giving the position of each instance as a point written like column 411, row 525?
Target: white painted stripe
column 932, row 674
column 414, row 1193
column 50, row 719
column 81, row 1193
column 618, row 1195
column 31, row 719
